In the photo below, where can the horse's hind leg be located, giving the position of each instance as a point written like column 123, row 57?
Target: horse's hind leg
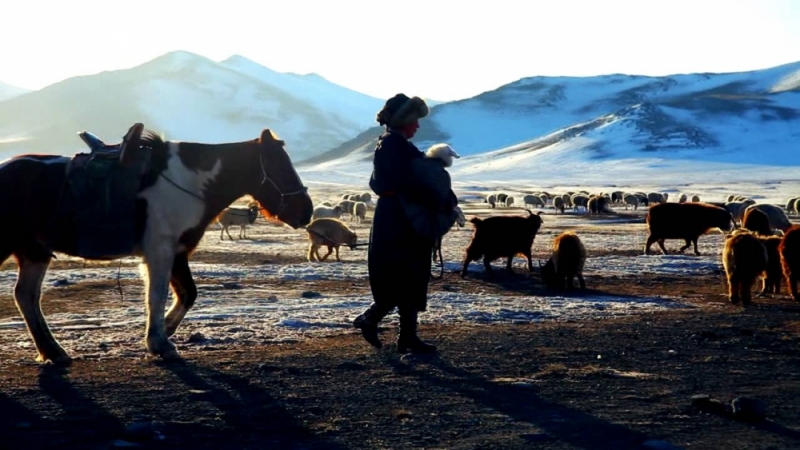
column 27, row 295
column 184, row 291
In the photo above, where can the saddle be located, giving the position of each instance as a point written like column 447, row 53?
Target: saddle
column 100, row 193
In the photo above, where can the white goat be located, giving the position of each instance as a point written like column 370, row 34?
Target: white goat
column 240, row 217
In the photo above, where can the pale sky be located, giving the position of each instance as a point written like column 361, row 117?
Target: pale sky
column 438, row 49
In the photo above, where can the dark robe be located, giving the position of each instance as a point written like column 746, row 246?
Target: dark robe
column 399, row 260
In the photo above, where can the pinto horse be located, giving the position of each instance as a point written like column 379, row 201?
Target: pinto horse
column 185, row 187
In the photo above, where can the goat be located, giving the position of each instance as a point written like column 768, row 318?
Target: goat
column 331, row 233
column 789, row 249
column 686, row 221
column 744, row 258
column 566, row 263
column 502, row 236
column 240, row 217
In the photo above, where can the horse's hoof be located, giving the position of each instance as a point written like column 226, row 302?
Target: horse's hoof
column 61, row 359
column 171, row 355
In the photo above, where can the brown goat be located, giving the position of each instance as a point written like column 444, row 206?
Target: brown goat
column 566, row 263
column 771, row 279
column 744, row 258
column 331, row 233
column 687, row 221
column 757, row 221
column 502, row 236
column 789, row 249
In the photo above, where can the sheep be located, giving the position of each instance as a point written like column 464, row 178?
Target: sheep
column 777, row 217
column 443, row 152
column 365, row 197
column 502, row 236
column 240, row 217
column 789, row 249
column 617, row 197
column 558, row 204
column 643, row 200
column 744, row 258
column 327, row 212
column 579, row 200
column 791, row 205
column 360, row 209
column 331, row 233
column 656, row 197
column 737, row 208
column 631, row 200
column 598, row 204
column 683, row 198
column 533, row 200
column 347, row 207
column 501, row 198
column 327, row 203
column 695, row 198
column 566, row 263
column 757, row 221
column 509, row 201
column 686, row 221
column 771, row 278
column 567, row 200
column 491, row 199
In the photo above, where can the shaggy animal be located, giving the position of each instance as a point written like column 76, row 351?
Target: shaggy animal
column 491, row 199
column 736, row 208
column 501, row 198
column 686, row 221
column 579, row 200
column 347, row 207
column 443, row 152
column 567, row 200
column 643, row 200
column 695, row 199
column 683, row 198
column 776, row 214
column 617, row 197
column 240, row 217
column 744, row 258
column 771, row 278
column 558, row 204
column 757, row 221
column 597, row 204
column 360, row 210
column 533, row 200
column 331, row 233
column 186, row 186
column 791, row 205
column 789, row 249
column 566, row 263
column 656, row 197
column 509, row 201
column 327, row 211
column 631, row 200
column 502, row 236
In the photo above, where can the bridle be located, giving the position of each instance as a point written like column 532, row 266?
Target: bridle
column 283, row 195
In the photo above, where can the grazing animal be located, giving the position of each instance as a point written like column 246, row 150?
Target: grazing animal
column 686, row 221
column 240, row 217
column 491, row 199
column 598, row 204
column 327, row 211
column 777, row 216
column 501, row 198
column 533, row 200
column 683, row 198
column 502, row 236
column 509, row 201
column 184, row 187
column 347, row 207
column 771, row 279
column 757, row 221
column 331, row 233
column 789, row 249
column 360, row 210
column 744, row 258
column 631, row 200
column 566, row 263
column 558, row 204
column 656, row 197
column 695, row 199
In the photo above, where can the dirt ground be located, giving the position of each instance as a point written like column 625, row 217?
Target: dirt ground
column 596, row 384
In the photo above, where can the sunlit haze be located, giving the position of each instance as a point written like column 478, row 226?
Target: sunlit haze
column 442, row 50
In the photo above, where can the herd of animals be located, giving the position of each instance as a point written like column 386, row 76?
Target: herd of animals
column 761, row 241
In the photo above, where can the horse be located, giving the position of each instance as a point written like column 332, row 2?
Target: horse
column 186, row 185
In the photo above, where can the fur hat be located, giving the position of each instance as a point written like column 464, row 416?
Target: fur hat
column 443, row 152
column 401, row 110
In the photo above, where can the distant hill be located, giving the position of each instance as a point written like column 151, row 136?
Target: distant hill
column 8, row 91
column 187, row 97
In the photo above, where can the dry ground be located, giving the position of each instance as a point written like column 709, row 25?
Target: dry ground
column 594, row 384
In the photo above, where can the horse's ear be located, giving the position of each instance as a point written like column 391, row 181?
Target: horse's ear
column 266, row 135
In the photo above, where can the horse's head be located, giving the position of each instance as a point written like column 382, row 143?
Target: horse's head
column 280, row 192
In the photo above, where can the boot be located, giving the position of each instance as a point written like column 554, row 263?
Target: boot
column 408, row 341
column 368, row 324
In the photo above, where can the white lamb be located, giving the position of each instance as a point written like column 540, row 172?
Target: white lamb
column 320, row 212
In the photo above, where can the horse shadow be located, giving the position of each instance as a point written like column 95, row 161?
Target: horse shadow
column 558, row 422
column 251, row 414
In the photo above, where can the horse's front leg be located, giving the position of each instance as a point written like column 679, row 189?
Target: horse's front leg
column 27, row 295
column 184, row 291
column 158, row 260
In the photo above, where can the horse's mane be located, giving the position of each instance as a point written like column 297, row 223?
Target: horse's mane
column 152, row 140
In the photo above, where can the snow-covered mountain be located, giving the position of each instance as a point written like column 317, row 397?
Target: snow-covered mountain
column 187, row 97
column 8, row 91
column 547, row 126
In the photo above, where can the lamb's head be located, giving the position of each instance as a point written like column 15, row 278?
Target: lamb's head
column 351, row 239
column 548, row 273
column 443, row 152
